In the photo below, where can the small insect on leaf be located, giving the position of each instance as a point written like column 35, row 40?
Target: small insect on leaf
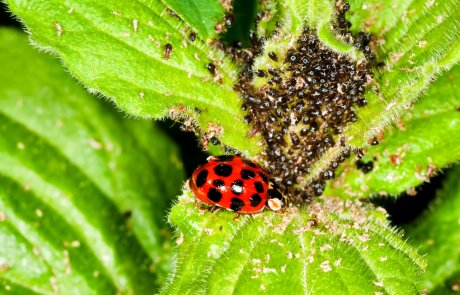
column 236, row 184
column 167, row 51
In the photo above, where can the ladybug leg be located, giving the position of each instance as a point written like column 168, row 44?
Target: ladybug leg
column 214, row 209
column 200, row 206
column 281, row 211
column 237, row 217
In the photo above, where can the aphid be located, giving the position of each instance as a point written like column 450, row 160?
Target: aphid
column 374, row 141
column 167, row 51
column 192, row 36
column 236, row 184
column 260, row 73
column 295, row 139
column 214, row 140
column 273, row 56
column 365, row 167
column 359, row 154
column 229, row 19
column 211, row 68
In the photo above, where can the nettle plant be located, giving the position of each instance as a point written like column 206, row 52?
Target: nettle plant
column 339, row 102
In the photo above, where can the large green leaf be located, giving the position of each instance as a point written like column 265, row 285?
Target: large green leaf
column 424, row 141
column 117, row 48
column 417, row 40
column 82, row 190
column 438, row 236
column 329, row 247
column 201, row 15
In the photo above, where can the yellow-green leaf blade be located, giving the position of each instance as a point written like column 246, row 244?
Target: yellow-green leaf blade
column 118, row 49
column 81, row 185
column 438, row 236
column 328, row 247
column 422, row 142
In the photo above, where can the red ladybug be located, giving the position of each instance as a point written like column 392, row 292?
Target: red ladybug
column 235, row 183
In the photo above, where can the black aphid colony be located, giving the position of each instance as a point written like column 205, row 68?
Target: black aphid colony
column 303, row 108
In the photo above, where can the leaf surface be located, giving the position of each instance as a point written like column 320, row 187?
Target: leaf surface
column 118, row 49
column 201, row 15
column 438, row 236
column 329, row 247
column 423, row 141
column 417, row 41
column 82, row 190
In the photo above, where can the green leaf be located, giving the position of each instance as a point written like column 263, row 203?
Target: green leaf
column 423, row 142
column 201, row 15
column 329, row 247
column 82, row 190
column 118, row 49
column 417, row 40
column 437, row 233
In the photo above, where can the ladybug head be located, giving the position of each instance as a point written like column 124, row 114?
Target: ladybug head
column 276, row 200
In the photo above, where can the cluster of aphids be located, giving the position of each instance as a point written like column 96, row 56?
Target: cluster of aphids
column 304, row 106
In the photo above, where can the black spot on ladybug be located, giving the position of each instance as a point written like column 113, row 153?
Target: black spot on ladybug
column 224, row 158
column 237, row 187
column 218, row 183
column 236, row 204
column 223, row 170
column 167, row 51
column 214, row 195
column 247, row 174
column 255, row 200
column 249, row 163
column 259, row 186
column 264, row 177
column 201, row 178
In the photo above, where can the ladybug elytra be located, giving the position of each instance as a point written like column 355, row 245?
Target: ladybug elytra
column 236, row 184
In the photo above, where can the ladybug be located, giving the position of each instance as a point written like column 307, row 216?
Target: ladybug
column 235, row 183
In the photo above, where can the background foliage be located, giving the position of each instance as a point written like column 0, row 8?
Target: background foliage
column 85, row 187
